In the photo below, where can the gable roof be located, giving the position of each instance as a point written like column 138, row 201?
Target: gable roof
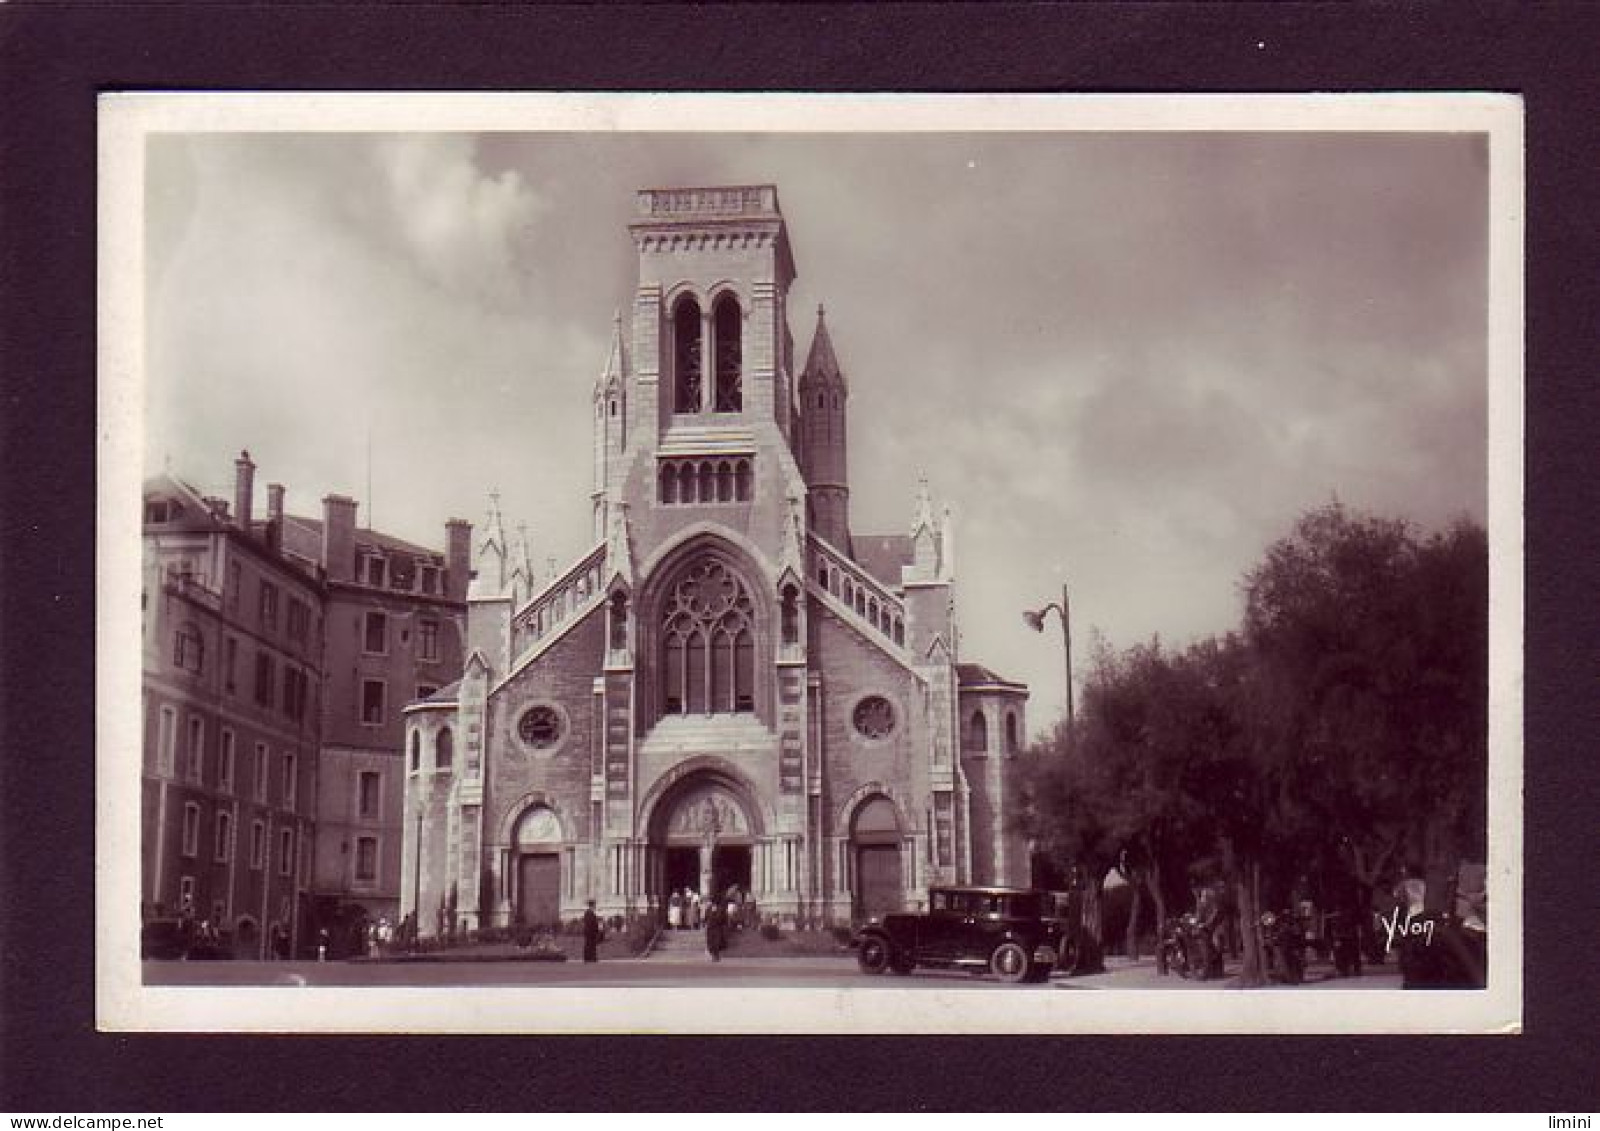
column 971, row 675
column 882, row 555
column 307, row 536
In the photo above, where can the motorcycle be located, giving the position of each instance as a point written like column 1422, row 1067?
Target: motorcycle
column 1451, row 955
column 1283, row 943
column 1186, row 950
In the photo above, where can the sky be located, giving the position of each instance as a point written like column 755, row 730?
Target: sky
column 1126, row 361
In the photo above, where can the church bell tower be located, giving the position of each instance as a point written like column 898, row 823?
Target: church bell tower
column 823, row 399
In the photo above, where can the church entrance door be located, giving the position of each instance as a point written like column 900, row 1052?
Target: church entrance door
column 730, row 865
column 875, row 837
column 701, row 838
column 539, row 888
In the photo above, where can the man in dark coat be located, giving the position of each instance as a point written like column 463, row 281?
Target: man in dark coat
column 716, row 930
column 591, row 934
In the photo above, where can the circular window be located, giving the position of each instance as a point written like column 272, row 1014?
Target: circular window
column 874, row 717
column 540, row 727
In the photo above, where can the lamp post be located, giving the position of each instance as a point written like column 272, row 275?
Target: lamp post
column 1035, row 620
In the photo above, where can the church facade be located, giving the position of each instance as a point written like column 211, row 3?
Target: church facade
column 732, row 688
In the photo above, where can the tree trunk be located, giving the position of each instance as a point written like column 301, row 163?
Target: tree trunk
column 1160, row 900
column 1249, row 894
column 1130, row 946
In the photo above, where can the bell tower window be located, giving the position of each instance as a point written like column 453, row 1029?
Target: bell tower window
column 728, row 328
column 686, row 355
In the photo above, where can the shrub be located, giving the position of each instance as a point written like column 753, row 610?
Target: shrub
column 769, row 931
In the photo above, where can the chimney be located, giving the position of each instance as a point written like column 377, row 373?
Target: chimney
column 339, row 537
column 458, row 558
column 244, row 488
column 275, row 516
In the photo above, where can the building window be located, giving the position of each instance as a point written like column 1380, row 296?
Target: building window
column 189, row 649
column 186, row 895
column 299, row 619
column 727, row 326
column 375, row 639
column 367, row 782
column 197, row 749
column 225, row 763
column 372, row 696
column 285, row 852
column 264, row 678
column 873, row 717
column 191, row 829
column 708, row 642
column 224, row 837
column 1011, row 733
column 235, row 583
column 295, row 688
column 258, row 845
column 428, row 639
column 373, row 569
column 289, row 781
column 416, row 751
column 978, row 733
column 258, row 780
column 540, row 727
column 167, row 742
column 230, row 661
column 430, row 579
column 686, row 355
column 269, row 605
column 444, row 747
column 367, row 858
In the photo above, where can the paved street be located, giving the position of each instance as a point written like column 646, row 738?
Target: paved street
column 815, row 972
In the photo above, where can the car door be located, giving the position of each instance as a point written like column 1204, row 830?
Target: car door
column 941, row 927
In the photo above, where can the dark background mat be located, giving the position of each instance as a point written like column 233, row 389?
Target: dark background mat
column 54, row 58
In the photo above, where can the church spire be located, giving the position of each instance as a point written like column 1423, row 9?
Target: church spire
column 493, row 552
column 821, row 362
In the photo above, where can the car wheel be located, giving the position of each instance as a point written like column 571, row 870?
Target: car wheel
column 1010, row 962
column 873, row 955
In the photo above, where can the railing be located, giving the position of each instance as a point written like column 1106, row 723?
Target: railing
column 859, row 592
column 739, row 200
column 548, row 609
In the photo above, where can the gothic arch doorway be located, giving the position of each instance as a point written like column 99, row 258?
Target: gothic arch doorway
column 703, row 838
column 875, row 840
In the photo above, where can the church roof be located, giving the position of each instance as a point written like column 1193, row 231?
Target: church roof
column 821, row 362
column 971, row 675
column 882, row 555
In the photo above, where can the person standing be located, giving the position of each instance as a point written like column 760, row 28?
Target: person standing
column 716, row 929
column 674, row 911
column 695, row 910
column 591, row 934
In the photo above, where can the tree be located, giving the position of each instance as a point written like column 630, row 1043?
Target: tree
column 1371, row 649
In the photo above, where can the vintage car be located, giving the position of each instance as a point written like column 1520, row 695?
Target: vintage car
column 1010, row 932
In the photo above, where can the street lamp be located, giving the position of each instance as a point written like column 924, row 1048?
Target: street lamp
column 1035, row 620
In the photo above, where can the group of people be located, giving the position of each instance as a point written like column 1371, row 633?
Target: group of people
column 687, row 910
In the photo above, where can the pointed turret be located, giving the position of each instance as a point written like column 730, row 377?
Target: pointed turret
column 491, row 575
column 823, row 396
column 610, row 422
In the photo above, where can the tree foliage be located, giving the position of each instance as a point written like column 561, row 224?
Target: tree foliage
column 1344, row 724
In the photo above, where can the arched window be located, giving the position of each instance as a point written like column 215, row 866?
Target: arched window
column 708, row 642
column 899, row 631
column 791, row 615
column 669, row 483
column 724, row 482
column 861, row 602
column 822, row 400
column 727, row 325
column 444, row 750
column 978, row 732
column 686, row 355
column 708, row 483
column 742, row 481
column 416, row 751
column 1011, row 733
column 619, row 620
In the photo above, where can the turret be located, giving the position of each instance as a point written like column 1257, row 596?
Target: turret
column 824, row 396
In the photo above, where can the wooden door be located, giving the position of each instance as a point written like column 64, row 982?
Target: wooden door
column 539, row 888
column 878, row 885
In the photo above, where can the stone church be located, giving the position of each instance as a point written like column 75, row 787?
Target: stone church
column 732, row 687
